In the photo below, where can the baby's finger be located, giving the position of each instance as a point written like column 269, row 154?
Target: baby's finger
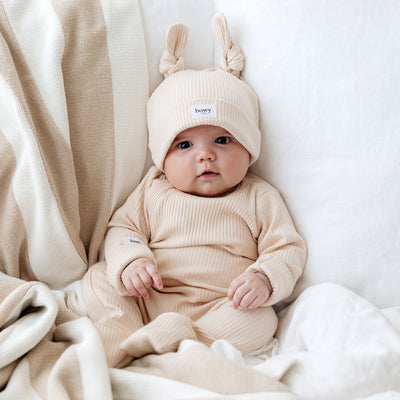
column 129, row 286
column 146, row 278
column 127, row 283
column 155, row 276
column 247, row 300
column 140, row 287
column 235, row 284
column 257, row 301
column 240, row 292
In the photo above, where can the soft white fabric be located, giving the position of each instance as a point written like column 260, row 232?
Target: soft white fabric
column 327, row 74
column 333, row 345
column 342, row 345
column 30, row 312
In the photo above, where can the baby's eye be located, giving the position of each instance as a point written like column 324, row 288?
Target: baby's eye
column 223, row 140
column 184, row 145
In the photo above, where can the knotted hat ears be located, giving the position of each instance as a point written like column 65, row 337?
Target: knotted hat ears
column 171, row 61
column 232, row 59
column 188, row 98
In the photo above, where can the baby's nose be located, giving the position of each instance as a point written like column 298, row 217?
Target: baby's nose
column 206, row 153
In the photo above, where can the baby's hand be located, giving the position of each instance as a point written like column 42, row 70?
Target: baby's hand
column 249, row 290
column 139, row 275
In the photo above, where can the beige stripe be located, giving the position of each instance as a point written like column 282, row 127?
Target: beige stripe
column 55, row 371
column 55, row 152
column 6, row 372
column 14, row 260
column 88, row 90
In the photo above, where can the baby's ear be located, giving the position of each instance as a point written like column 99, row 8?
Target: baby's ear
column 171, row 60
column 232, row 58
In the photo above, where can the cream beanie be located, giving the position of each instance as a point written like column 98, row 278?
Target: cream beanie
column 188, row 98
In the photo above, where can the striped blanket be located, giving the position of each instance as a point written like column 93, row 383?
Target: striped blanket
column 73, row 90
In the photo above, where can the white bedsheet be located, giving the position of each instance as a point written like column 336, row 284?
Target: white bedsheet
column 335, row 345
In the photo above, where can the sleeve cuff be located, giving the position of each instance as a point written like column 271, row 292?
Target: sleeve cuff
column 121, row 260
column 280, row 277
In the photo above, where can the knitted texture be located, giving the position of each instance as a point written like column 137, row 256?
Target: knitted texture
column 119, row 321
column 188, row 98
column 201, row 244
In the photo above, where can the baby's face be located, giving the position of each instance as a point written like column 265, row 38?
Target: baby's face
column 206, row 161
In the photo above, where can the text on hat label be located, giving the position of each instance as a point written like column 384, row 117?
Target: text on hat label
column 204, row 110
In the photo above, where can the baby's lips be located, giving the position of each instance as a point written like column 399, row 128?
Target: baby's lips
column 207, row 173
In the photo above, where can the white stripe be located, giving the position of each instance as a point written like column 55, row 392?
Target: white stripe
column 27, row 332
column 127, row 52
column 41, row 39
column 88, row 348
column 53, row 257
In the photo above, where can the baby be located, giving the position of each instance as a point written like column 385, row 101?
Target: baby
column 201, row 249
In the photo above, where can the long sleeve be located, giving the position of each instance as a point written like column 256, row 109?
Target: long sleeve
column 201, row 242
column 282, row 251
column 128, row 234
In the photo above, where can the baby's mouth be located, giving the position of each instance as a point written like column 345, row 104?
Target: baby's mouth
column 208, row 174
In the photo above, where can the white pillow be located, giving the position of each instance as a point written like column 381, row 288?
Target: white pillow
column 158, row 16
column 328, row 78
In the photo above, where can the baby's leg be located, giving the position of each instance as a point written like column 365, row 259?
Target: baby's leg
column 114, row 316
column 247, row 330
column 162, row 335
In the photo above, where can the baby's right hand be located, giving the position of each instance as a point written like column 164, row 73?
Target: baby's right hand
column 139, row 275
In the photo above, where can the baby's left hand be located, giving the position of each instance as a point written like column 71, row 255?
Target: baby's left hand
column 249, row 290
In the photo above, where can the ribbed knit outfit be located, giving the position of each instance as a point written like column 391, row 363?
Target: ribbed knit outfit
column 199, row 244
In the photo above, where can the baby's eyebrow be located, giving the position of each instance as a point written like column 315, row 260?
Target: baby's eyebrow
column 181, row 138
column 176, row 141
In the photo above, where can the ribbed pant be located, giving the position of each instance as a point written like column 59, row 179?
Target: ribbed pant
column 128, row 330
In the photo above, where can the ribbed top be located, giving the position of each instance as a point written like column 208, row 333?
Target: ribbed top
column 201, row 244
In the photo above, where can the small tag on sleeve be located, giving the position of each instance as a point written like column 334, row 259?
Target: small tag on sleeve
column 132, row 240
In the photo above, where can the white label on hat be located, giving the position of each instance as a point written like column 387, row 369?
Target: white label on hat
column 204, row 111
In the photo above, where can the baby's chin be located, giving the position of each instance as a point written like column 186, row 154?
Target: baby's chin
column 221, row 192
